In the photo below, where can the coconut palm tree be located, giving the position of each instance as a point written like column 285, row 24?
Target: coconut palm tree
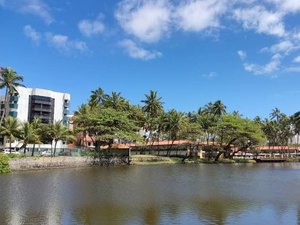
column 28, row 135
column 60, row 133
column 10, row 80
column 10, row 129
column 153, row 104
column 97, row 97
column 275, row 114
column 172, row 124
column 116, row 101
column 36, row 125
column 153, row 108
column 218, row 108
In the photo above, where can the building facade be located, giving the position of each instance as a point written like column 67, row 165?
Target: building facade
column 30, row 103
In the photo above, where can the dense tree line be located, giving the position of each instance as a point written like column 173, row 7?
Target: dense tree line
column 108, row 117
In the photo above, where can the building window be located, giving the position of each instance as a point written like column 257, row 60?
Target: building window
column 41, row 107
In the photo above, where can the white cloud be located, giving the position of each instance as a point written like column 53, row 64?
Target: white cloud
column 261, row 20
column 297, row 59
column 242, row 54
column 197, row 15
column 286, row 6
column 209, row 75
column 32, row 34
column 91, row 27
column 148, row 20
column 38, row 8
column 284, row 46
column 293, row 69
column 34, row 7
column 64, row 44
column 137, row 52
column 269, row 68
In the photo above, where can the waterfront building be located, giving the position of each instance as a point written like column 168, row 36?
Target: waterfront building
column 29, row 103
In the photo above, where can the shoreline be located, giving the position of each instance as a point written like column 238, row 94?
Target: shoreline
column 63, row 162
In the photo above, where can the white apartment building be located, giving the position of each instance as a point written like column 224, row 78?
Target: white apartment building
column 47, row 105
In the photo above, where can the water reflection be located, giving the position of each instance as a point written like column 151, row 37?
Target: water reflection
column 153, row 195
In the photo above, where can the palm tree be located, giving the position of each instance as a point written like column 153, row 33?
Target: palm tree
column 10, row 80
column 172, row 123
column 275, row 114
column 116, row 101
column 36, row 126
column 218, row 108
column 10, row 129
column 296, row 123
column 60, row 133
column 153, row 105
column 28, row 135
column 97, row 97
column 153, row 109
column 208, row 109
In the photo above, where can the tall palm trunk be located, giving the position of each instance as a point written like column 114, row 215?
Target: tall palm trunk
column 55, row 147
column 4, row 114
column 32, row 153
column 10, row 144
column 25, row 146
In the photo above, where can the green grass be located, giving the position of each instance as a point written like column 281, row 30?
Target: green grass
column 245, row 161
column 293, row 159
column 155, row 160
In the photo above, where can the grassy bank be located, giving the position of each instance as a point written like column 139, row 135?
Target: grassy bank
column 153, row 160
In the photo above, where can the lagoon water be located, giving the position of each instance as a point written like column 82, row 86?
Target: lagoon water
column 152, row 195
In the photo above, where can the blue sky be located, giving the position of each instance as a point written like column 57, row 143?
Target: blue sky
column 243, row 52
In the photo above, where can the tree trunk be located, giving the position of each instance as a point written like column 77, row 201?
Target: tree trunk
column 5, row 106
column 24, row 149
column 218, row 156
column 9, row 144
column 32, row 153
column 97, row 145
column 55, row 148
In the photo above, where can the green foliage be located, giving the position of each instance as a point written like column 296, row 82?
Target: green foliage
column 4, row 163
column 237, row 131
column 236, row 134
column 153, row 106
column 226, row 161
column 173, row 123
column 9, row 80
column 105, row 124
column 10, row 129
column 278, row 129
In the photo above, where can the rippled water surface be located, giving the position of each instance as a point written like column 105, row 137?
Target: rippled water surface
column 161, row 194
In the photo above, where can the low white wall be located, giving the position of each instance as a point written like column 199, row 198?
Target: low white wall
column 34, row 163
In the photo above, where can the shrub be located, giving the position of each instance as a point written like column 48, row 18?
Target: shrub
column 4, row 164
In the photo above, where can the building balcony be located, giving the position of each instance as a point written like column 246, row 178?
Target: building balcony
column 13, row 105
column 13, row 113
column 14, row 98
column 37, row 101
column 41, row 109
